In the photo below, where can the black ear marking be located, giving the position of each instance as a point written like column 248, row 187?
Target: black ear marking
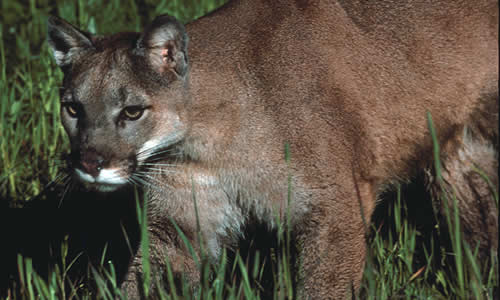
column 66, row 41
column 164, row 44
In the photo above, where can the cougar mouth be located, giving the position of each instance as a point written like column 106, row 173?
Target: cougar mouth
column 107, row 180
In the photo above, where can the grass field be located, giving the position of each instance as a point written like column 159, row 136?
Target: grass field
column 409, row 258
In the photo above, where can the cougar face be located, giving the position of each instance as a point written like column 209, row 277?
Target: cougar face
column 115, row 122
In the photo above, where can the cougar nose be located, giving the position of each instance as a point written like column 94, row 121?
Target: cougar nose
column 92, row 162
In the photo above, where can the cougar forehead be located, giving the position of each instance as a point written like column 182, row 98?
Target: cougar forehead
column 106, row 69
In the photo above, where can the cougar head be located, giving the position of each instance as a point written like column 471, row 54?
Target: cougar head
column 123, row 99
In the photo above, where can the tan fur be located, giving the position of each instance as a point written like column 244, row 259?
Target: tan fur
column 347, row 85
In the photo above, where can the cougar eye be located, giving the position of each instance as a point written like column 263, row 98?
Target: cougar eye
column 72, row 109
column 132, row 113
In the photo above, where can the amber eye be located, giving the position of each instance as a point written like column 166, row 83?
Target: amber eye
column 132, row 113
column 72, row 110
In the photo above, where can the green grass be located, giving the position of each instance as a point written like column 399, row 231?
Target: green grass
column 404, row 260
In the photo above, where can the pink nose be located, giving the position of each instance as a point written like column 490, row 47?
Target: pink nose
column 91, row 168
column 92, row 163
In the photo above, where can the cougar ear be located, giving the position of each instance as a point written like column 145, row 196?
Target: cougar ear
column 164, row 44
column 66, row 41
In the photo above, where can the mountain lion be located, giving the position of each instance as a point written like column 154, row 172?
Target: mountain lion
column 205, row 111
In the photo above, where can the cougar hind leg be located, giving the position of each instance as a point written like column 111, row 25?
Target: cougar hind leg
column 470, row 175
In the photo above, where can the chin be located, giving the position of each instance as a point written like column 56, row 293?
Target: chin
column 101, row 187
column 108, row 188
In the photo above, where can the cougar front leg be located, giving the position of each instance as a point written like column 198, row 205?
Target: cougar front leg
column 201, row 210
column 333, row 248
column 163, row 248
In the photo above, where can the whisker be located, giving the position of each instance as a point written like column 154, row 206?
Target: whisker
column 138, row 180
column 158, row 164
column 160, row 170
column 152, row 179
column 133, row 182
column 162, row 148
column 157, row 151
column 152, row 158
column 158, row 173
column 146, row 176
column 147, row 184
column 161, row 184
column 59, row 178
column 69, row 186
